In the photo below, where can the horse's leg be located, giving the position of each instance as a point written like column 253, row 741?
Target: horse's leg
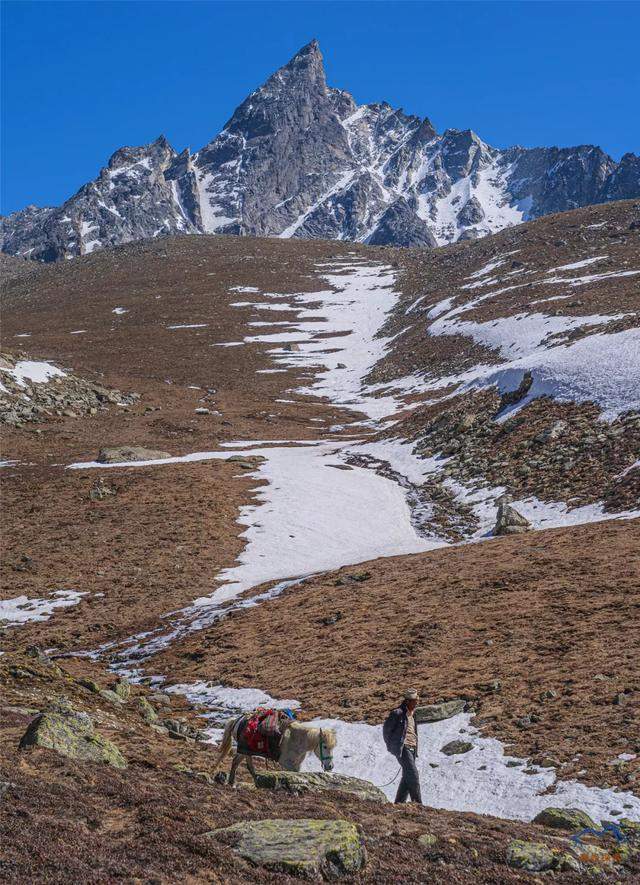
column 234, row 767
column 251, row 768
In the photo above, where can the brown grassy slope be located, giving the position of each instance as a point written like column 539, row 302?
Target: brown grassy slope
column 64, row 821
column 553, row 611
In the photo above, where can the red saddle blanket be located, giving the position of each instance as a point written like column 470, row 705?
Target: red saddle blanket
column 253, row 734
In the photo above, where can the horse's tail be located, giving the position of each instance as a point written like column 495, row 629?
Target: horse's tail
column 227, row 739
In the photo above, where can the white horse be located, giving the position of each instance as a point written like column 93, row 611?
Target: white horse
column 298, row 740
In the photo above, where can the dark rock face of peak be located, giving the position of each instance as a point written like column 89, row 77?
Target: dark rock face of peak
column 471, row 213
column 624, row 180
column 400, row 226
column 301, row 159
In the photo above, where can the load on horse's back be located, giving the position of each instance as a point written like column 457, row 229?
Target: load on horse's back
column 275, row 735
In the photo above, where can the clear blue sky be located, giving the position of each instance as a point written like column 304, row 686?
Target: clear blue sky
column 81, row 79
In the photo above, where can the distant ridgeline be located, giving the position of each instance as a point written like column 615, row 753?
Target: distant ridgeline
column 300, row 159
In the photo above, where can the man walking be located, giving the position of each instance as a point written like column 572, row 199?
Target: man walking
column 401, row 737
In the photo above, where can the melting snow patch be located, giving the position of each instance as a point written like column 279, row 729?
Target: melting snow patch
column 21, row 609
column 119, row 310
column 36, row 372
column 189, row 326
column 593, row 278
column 480, row 780
column 484, row 780
column 232, row 700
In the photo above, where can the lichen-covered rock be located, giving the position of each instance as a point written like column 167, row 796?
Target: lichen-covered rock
column 509, row 521
column 91, row 684
column 71, row 733
column 115, row 454
column 531, row 856
column 245, row 462
column 572, row 819
column 307, row 848
column 438, row 712
column 427, row 841
column 122, row 688
column 454, row 748
column 313, row 782
column 108, row 695
column 147, row 711
column 593, row 855
column 630, row 827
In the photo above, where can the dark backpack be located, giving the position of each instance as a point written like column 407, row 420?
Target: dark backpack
column 392, row 725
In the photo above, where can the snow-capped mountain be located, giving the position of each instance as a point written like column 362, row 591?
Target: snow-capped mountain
column 301, row 159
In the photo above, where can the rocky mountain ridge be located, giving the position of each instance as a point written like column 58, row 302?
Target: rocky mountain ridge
column 301, row 159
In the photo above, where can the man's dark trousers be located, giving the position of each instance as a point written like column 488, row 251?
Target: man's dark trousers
column 410, row 781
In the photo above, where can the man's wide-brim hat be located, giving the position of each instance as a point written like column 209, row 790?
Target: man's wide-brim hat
column 411, row 694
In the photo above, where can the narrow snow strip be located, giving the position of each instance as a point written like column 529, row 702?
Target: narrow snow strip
column 227, row 344
column 576, row 264
column 189, row 326
column 486, row 269
column 21, row 609
column 300, row 220
column 593, row 278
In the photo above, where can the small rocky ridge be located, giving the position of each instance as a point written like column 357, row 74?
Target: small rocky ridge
column 64, row 395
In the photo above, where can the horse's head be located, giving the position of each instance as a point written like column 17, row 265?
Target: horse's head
column 325, row 746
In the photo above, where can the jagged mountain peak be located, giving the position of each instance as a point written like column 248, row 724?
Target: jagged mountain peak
column 159, row 150
column 299, row 158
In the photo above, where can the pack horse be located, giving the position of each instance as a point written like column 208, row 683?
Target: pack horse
column 288, row 747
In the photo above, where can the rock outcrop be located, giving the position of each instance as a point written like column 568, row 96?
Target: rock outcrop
column 571, row 819
column 327, row 849
column 71, row 733
column 531, row 856
column 438, row 712
column 298, row 782
column 33, row 392
column 509, row 521
column 116, row 454
column 456, row 748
